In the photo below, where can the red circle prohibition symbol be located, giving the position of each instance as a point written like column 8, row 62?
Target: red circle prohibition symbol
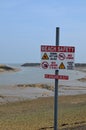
column 61, row 56
column 45, row 65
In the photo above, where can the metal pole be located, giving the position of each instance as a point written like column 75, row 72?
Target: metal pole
column 56, row 87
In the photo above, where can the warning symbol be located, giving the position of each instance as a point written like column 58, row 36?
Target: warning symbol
column 45, row 57
column 62, row 66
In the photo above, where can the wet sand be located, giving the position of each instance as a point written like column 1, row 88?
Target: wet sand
column 15, row 93
column 21, row 92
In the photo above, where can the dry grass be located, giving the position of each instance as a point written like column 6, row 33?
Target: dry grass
column 27, row 115
column 72, row 111
column 38, row 114
column 38, row 85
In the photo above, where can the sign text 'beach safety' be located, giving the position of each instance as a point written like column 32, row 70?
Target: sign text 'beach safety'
column 57, row 57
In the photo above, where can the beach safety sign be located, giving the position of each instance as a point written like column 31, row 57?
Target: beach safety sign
column 57, row 57
column 51, row 76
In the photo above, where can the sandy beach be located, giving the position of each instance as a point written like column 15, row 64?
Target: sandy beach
column 23, row 106
column 19, row 92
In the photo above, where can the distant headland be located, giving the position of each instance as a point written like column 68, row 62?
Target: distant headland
column 80, row 64
column 31, row 64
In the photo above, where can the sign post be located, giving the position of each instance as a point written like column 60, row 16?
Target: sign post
column 57, row 58
column 56, row 87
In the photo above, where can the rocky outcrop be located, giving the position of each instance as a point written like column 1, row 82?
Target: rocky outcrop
column 4, row 68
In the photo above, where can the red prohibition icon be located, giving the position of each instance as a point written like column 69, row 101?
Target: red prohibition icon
column 61, row 56
column 45, row 65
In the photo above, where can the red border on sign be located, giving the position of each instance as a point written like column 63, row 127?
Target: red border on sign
column 45, row 48
column 51, row 76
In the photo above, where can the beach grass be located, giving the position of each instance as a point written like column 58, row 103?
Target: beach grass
column 38, row 114
column 26, row 115
column 72, row 111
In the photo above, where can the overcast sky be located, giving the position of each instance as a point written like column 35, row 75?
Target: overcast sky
column 26, row 24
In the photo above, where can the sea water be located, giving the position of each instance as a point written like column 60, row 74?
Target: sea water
column 31, row 75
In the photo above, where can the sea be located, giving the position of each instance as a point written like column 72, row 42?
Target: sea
column 32, row 75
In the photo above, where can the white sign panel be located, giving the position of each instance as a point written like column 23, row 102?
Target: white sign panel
column 57, row 57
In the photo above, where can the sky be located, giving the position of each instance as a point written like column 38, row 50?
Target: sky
column 25, row 25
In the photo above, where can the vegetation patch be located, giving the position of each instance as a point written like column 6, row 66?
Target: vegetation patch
column 44, row 86
column 38, row 114
column 82, row 79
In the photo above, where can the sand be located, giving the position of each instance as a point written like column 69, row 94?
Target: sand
column 21, row 92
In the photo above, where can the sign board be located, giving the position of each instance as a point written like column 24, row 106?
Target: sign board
column 57, row 57
column 51, row 76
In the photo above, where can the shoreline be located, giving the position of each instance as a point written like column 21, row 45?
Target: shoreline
column 33, row 99
column 20, row 92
